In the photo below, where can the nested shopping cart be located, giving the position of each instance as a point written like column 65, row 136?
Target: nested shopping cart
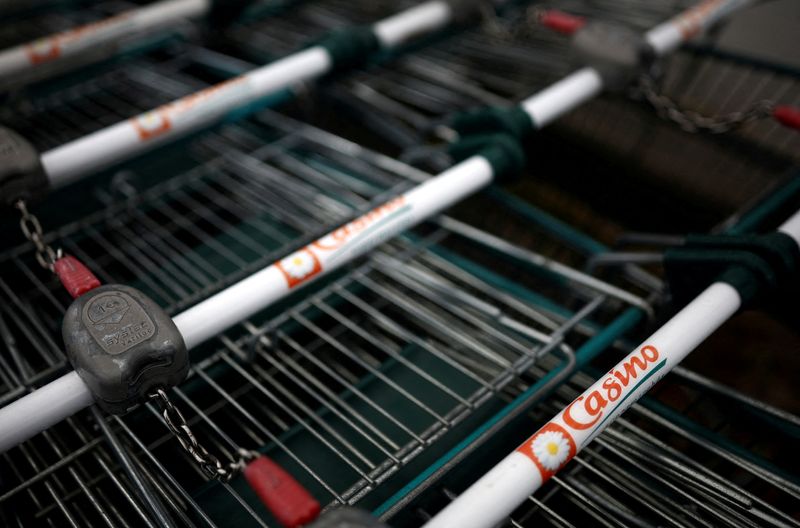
column 694, row 453
column 371, row 386
column 44, row 42
column 377, row 372
column 407, row 100
column 348, row 386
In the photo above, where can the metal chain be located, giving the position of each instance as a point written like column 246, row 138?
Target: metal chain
column 695, row 122
column 32, row 229
column 210, row 464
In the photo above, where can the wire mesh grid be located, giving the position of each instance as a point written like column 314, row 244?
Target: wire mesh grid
column 266, row 38
column 692, row 453
column 492, row 63
column 348, row 386
column 345, row 388
column 83, row 104
column 43, row 20
column 511, row 56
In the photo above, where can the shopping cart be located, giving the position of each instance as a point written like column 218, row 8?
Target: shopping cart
column 404, row 101
column 693, row 453
column 366, row 387
column 491, row 63
column 379, row 366
column 52, row 41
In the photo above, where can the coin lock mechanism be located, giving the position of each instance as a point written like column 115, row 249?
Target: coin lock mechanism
column 123, row 346
column 22, row 176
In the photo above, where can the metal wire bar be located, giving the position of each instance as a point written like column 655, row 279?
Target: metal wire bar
column 145, row 493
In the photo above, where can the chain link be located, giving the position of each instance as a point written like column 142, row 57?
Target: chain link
column 695, row 122
column 32, row 229
column 210, row 464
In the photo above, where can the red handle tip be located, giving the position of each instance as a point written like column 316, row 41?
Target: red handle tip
column 75, row 277
column 788, row 116
column 561, row 22
column 288, row 501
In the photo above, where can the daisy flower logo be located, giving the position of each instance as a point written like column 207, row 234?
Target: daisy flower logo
column 299, row 267
column 549, row 449
column 43, row 50
column 151, row 124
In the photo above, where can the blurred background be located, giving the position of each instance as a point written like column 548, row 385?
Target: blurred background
column 400, row 379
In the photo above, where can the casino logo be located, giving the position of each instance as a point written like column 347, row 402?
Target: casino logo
column 152, row 124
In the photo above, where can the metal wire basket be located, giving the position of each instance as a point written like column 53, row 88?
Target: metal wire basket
column 42, row 20
column 346, row 387
column 405, row 99
column 694, row 453
column 387, row 372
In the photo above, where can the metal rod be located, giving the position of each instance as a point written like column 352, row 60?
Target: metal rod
column 145, row 493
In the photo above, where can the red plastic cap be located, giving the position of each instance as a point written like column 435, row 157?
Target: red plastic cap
column 289, row 502
column 75, row 277
column 561, row 22
column 788, row 116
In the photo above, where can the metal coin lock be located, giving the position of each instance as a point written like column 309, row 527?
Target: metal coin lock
column 123, row 345
column 22, row 176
